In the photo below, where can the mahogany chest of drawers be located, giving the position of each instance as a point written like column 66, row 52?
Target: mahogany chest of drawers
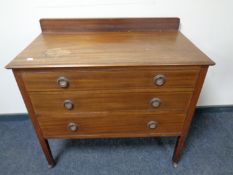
column 105, row 78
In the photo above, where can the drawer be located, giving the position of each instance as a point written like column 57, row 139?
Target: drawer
column 91, row 101
column 111, row 124
column 114, row 78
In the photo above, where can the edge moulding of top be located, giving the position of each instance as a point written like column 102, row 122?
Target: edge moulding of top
column 74, row 25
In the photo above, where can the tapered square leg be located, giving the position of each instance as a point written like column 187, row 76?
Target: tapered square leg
column 47, row 152
column 178, row 149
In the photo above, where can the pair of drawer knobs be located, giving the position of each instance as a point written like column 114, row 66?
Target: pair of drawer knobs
column 73, row 127
column 159, row 80
column 155, row 102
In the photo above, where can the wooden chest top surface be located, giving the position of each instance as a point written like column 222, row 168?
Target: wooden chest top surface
column 109, row 48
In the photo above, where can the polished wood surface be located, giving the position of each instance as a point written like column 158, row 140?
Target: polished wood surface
column 109, row 25
column 102, row 125
column 43, row 142
column 110, row 49
column 181, row 139
column 113, row 78
column 109, row 68
column 109, row 101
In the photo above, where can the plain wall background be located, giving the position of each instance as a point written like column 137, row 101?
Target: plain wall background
column 208, row 24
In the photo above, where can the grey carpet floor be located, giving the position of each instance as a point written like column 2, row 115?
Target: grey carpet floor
column 208, row 150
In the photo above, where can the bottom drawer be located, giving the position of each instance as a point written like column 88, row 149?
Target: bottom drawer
column 106, row 125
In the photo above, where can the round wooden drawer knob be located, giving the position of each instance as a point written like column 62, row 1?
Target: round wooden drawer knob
column 159, row 80
column 155, row 102
column 68, row 104
column 72, row 127
column 152, row 124
column 63, row 82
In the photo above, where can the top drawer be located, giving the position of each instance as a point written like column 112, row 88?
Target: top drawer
column 110, row 78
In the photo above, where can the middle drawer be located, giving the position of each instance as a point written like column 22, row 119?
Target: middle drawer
column 87, row 101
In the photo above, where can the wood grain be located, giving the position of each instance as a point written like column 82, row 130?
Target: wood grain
column 181, row 139
column 43, row 142
column 110, row 65
column 109, row 25
column 111, row 124
column 117, row 78
column 110, row 49
column 46, row 102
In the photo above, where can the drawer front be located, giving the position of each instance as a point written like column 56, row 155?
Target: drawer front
column 83, row 101
column 125, row 124
column 118, row 78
